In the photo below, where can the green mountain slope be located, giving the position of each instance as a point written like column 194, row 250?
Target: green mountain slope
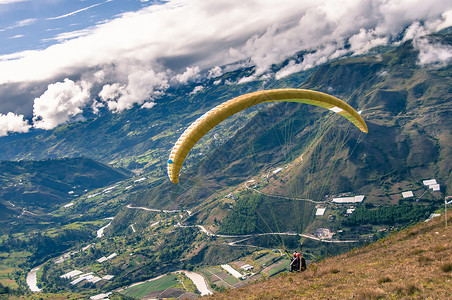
column 407, row 108
column 43, row 185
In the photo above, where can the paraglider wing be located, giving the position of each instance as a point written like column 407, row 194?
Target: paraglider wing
column 221, row 112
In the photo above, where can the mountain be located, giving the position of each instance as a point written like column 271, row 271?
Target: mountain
column 138, row 139
column 260, row 176
column 407, row 107
column 46, row 184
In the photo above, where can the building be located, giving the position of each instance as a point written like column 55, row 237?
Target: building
column 429, row 182
column 277, row 171
column 355, row 199
column 232, row 271
column 320, row 211
column 432, row 184
column 407, row 194
column 247, row 267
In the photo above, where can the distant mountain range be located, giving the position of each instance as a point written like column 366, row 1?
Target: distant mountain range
column 407, row 108
column 265, row 170
column 42, row 186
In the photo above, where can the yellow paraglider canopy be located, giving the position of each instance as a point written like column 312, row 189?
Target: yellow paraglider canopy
column 221, row 112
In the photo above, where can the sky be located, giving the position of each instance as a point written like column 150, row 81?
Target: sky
column 60, row 58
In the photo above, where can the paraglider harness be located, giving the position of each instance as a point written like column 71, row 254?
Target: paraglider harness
column 298, row 263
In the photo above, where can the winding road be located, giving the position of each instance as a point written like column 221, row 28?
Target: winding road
column 209, row 233
column 248, row 236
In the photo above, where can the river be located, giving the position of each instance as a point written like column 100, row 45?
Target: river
column 200, row 282
column 32, row 281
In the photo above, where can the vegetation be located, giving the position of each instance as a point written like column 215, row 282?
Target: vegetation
column 405, row 105
column 161, row 284
column 44, row 247
column 386, row 269
column 257, row 213
column 390, row 215
column 243, row 218
column 42, row 186
column 6, row 290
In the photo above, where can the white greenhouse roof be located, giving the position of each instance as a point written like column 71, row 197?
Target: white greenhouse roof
column 429, row 182
column 407, row 194
column 78, row 280
column 71, row 274
column 94, row 279
column 320, row 211
column 355, row 199
column 434, row 187
column 100, row 296
column 113, row 255
column 102, row 259
column 277, row 170
column 232, row 271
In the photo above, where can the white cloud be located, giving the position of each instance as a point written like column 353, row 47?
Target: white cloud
column 11, row 1
column 139, row 54
column 208, row 34
column 69, row 35
column 430, row 52
column 184, row 34
column 13, row 123
column 447, row 22
column 148, row 105
column 59, row 103
column 414, row 31
column 197, row 89
column 292, row 67
column 141, row 86
column 18, row 36
column 365, row 40
column 26, row 22
column 20, row 23
column 215, row 72
column 188, row 75
column 247, row 79
column 433, row 53
column 77, row 11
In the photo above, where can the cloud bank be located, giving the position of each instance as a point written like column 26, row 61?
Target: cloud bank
column 137, row 56
column 61, row 101
column 13, row 123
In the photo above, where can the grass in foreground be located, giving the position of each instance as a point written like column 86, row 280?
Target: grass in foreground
column 414, row 263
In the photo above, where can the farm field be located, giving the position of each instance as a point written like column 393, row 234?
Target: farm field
column 161, row 284
column 276, row 268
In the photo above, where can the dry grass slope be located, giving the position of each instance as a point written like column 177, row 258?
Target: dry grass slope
column 415, row 263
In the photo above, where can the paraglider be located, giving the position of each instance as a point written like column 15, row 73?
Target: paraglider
column 221, row 112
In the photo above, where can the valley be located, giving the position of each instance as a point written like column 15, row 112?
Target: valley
column 252, row 191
